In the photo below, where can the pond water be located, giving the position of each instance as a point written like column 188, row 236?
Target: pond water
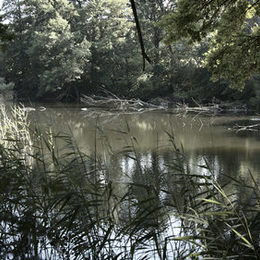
column 202, row 137
column 144, row 185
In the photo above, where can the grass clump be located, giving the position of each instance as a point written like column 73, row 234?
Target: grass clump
column 64, row 204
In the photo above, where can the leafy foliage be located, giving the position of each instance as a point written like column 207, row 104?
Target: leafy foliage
column 4, row 36
column 233, row 29
column 64, row 48
column 6, row 88
column 47, row 55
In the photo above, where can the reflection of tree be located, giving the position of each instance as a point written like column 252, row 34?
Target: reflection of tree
column 77, row 204
column 133, row 193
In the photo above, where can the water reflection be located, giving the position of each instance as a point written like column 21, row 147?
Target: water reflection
column 206, row 141
column 130, row 193
column 201, row 136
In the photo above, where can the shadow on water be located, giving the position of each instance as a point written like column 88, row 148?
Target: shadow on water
column 120, row 188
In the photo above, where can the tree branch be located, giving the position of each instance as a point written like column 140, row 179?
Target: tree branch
column 140, row 37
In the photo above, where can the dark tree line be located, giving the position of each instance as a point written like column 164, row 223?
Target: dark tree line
column 60, row 49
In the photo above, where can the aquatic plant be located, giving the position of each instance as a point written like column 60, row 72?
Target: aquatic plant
column 15, row 136
column 68, row 205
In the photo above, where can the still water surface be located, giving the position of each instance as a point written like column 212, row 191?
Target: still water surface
column 202, row 137
column 135, row 207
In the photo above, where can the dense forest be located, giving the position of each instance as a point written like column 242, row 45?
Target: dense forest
column 58, row 50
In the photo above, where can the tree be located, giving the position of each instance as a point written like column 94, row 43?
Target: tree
column 4, row 36
column 157, row 73
column 108, row 26
column 47, row 54
column 233, row 29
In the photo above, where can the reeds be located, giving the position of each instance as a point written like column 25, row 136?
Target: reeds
column 64, row 204
column 14, row 132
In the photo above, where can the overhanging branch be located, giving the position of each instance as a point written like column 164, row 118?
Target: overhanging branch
column 139, row 32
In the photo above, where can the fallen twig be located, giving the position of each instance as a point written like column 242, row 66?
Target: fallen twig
column 254, row 127
column 115, row 103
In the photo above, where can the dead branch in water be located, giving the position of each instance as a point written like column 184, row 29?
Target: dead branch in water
column 212, row 108
column 110, row 101
column 115, row 103
column 254, row 127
